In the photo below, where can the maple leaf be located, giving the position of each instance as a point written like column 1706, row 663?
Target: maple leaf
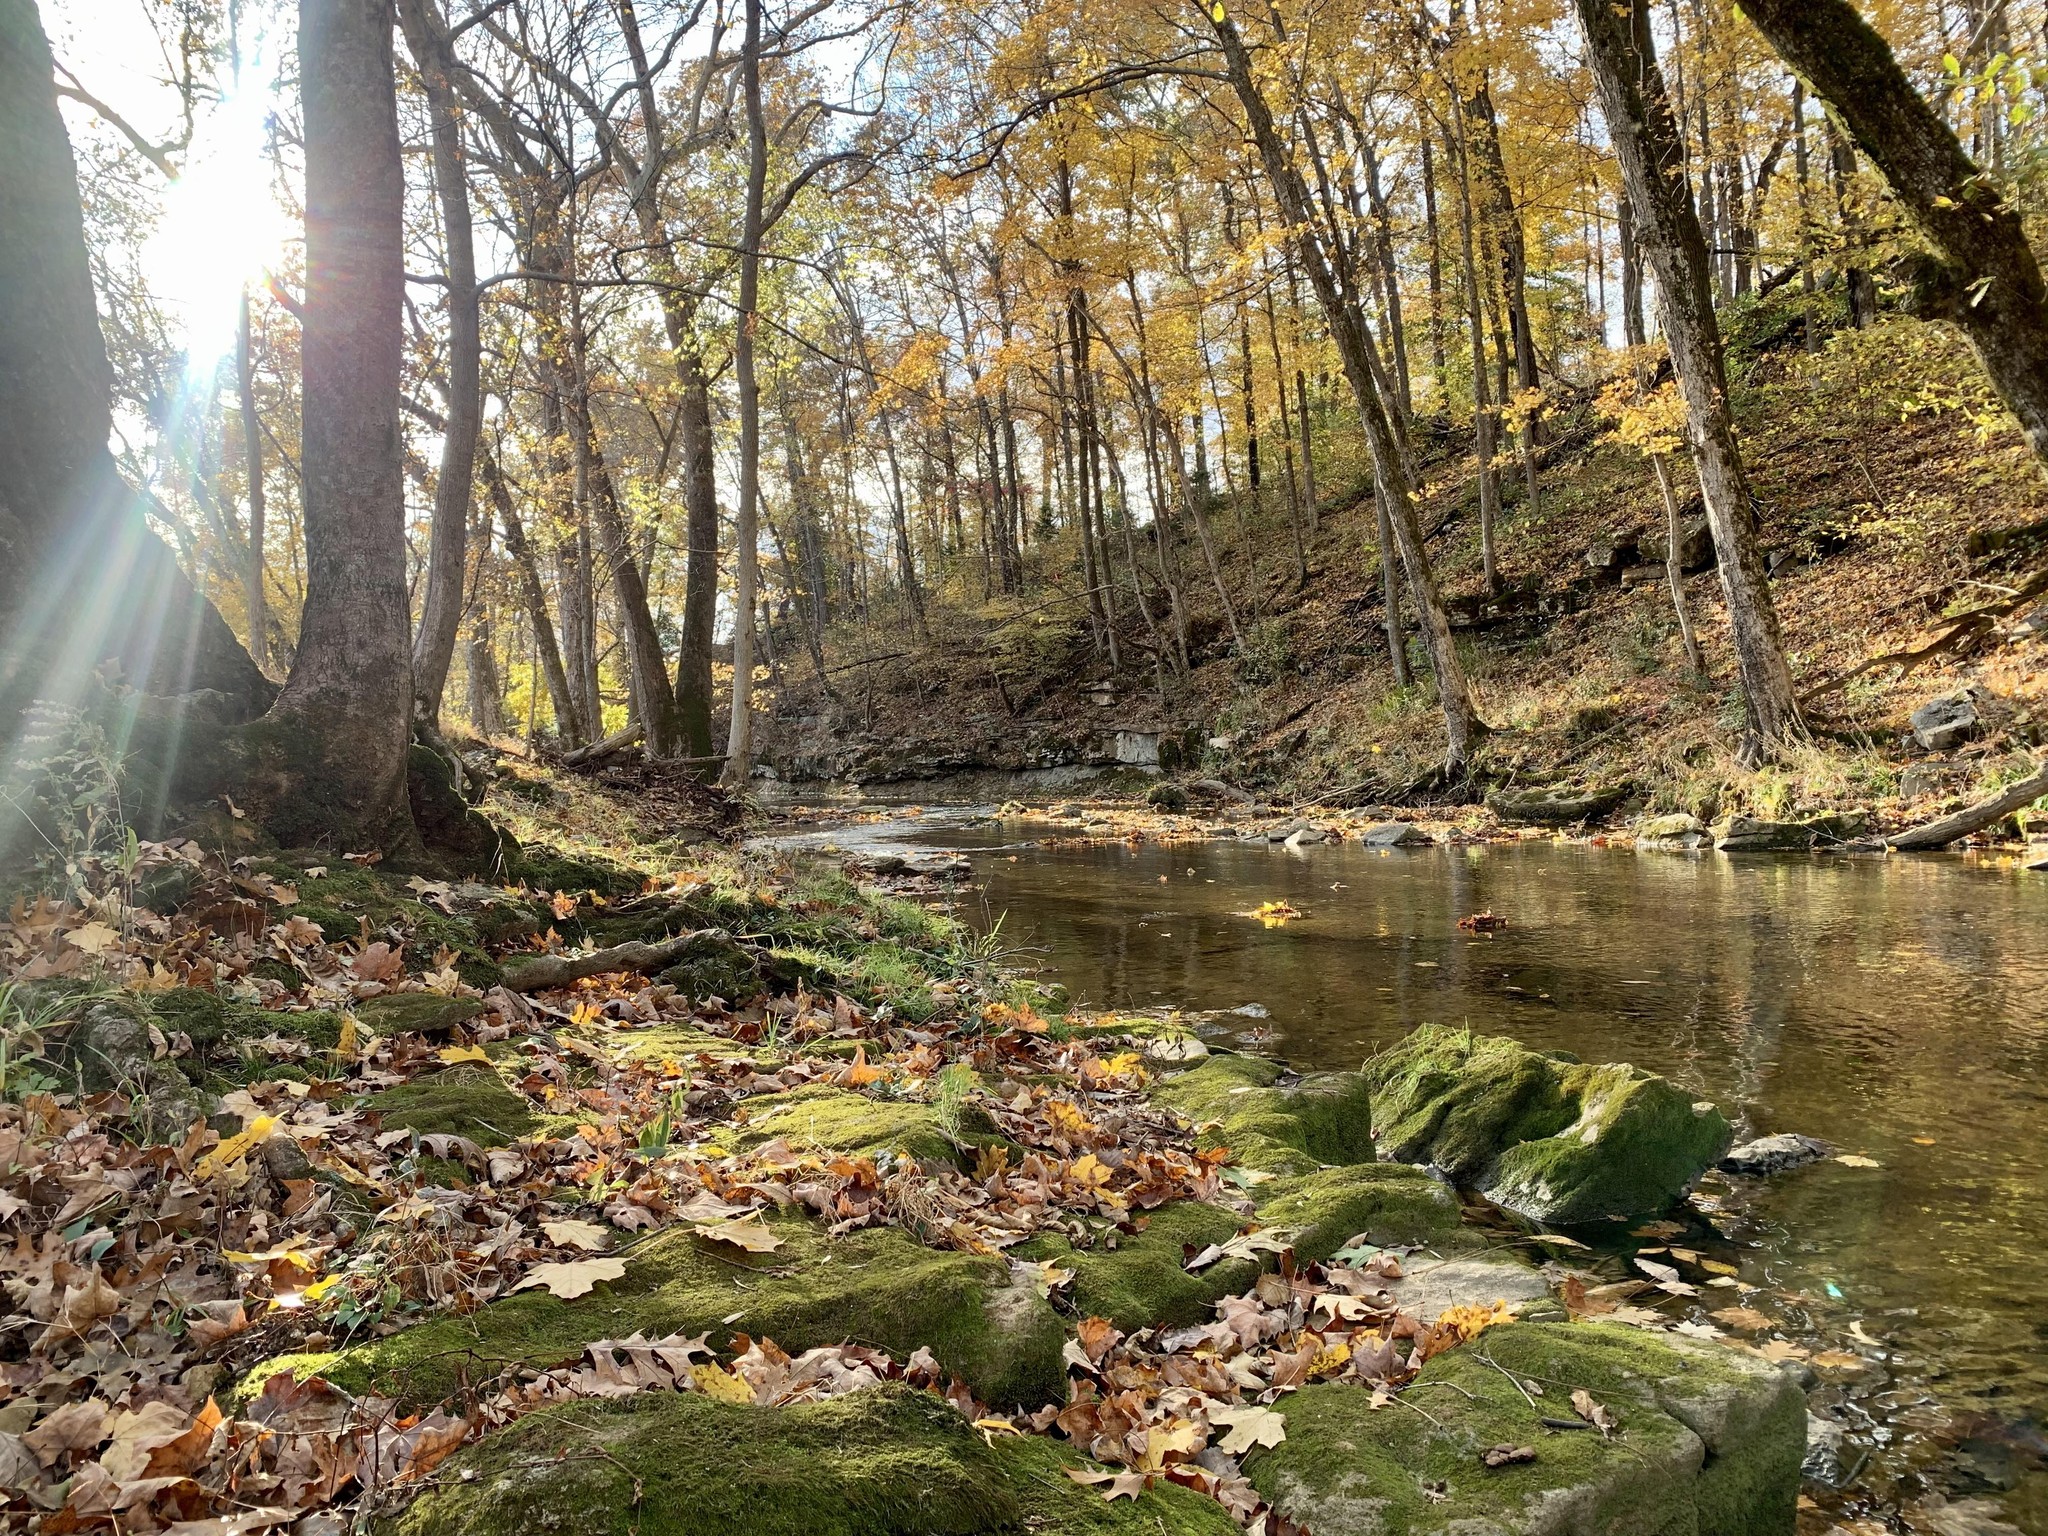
column 1247, row 1427
column 572, row 1279
column 721, row 1385
column 585, row 1235
column 857, row 1073
column 750, row 1235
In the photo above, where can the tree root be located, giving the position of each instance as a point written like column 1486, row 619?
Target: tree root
column 559, row 970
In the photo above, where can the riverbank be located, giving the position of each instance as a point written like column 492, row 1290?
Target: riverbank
column 341, row 1194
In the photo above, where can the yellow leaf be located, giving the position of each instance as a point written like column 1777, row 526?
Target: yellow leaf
column 236, row 1147
column 93, row 938
column 1857, row 1160
column 1247, row 1427
column 572, row 1279
column 750, row 1235
column 720, row 1385
column 454, row 1053
column 345, row 1047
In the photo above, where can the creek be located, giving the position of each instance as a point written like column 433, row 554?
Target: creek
column 1897, row 1008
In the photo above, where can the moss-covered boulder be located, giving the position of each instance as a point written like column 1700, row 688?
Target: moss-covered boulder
column 821, row 1118
column 1554, row 1138
column 1273, row 1119
column 888, row 1461
column 416, row 1013
column 471, row 1101
column 879, row 1287
column 1709, row 1443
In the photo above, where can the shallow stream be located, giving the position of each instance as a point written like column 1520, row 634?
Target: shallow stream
column 1897, row 1008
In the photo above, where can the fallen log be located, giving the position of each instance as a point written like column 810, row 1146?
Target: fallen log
column 559, row 970
column 1947, row 829
column 618, row 741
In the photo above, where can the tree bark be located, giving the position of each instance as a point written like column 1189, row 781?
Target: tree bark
column 83, row 579
column 739, row 743
column 441, row 610
column 534, row 596
column 1624, row 61
column 1987, row 280
column 253, row 595
column 1948, row 829
column 700, row 591
column 1463, row 727
column 341, row 729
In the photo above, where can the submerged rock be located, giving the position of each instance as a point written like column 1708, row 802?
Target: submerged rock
column 1709, row 1443
column 1775, row 1154
column 1556, row 1139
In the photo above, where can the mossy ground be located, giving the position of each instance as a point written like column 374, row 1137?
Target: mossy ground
column 1320, row 1119
column 878, row 1287
column 886, row 1462
column 1709, row 1444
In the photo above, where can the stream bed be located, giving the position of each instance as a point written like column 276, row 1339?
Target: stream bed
column 1896, row 1008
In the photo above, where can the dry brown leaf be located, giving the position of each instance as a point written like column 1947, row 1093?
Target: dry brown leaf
column 572, row 1279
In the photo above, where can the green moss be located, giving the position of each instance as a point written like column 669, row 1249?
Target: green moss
column 1710, row 1443
column 1320, row 1119
column 1552, row 1137
column 889, row 1461
column 468, row 1101
column 1386, row 1203
column 878, row 1286
column 420, row 1013
column 1141, row 1283
column 835, row 1120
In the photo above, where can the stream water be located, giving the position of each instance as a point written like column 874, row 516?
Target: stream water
column 1898, row 1009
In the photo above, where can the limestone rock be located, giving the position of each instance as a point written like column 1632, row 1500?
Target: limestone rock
column 1557, row 1140
column 1678, row 833
column 1428, row 1285
column 1775, row 1154
column 1746, row 834
column 1555, row 807
column 1397, row 834
column 1947, row 722
column 1710, row 1444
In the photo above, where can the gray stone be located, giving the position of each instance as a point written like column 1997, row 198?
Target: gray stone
column 1827, row 1453
column 1610, row 554
column 1695, row 546
column 1555, row 807
column 1428, row 1287
column 1677, row 833
column 1775, row 1154
column 1947, row 722
column 1397, row 834
column 1745, row 834
column 415, row 1013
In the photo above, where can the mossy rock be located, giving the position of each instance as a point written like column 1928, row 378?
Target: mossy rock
column 1142, row 1282
column 714, row 966
column 415, row 1013
column 889, row 1461
column 1272, row 1120
column 1710, row 1443
column 818, row 1117
column 879, row 1286
column 1556, row 1139
column 219, row 1027
column 471, row 1101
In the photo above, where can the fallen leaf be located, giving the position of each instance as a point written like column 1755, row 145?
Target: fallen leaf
column 1247, row 1427
column 455, row 1053
column 1857, row 1160
column 1748, row 1319
column 721, row 1385
column 571, row 1279
column 1594, row 1413
column 1507, row 1455
column 750, row 1235
column 585, row 1235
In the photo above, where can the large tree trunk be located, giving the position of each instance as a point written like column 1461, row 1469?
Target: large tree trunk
column 441, row 611
column 337, row 738
column 533, row 595
column 739, row 741
column 700, row 592
column 82, row 578
column 1341, row 312
column 1624, row 61
column 1987, row 280
column 253, row 572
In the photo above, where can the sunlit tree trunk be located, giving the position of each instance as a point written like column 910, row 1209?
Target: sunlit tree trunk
column 1624, row 62
column 739, row 743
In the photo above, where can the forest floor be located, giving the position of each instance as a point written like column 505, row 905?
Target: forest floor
column 1900, row 513
column 715, row 1189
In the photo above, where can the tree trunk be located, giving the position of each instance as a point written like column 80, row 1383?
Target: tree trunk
column 253, row 575
column 700, row 591
column 82, row 577
column 341, row 729
column 1624, row 61
column 739, row 744
column 1988, row 281
column 1347, row 326
column 441, row 610
column 545, row 642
